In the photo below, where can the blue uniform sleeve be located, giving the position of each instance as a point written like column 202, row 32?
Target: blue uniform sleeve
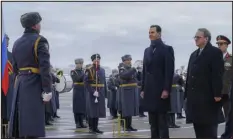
column 44, row 64
column 169, row 68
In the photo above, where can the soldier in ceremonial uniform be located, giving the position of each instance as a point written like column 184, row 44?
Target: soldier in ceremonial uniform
column 95, row 83
column 176, row 99
column 50, row 107
column 128, row 92
column 139, row 78
column 79, row 97
column 33, row 83
column 223, row 42
column 113, row 85
column 54, row 95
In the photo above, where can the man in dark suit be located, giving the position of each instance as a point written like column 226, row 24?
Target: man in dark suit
column 158, row 70
column 204, row 86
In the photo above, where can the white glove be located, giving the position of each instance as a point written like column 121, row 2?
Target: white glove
column 46, row 96
column 96, row 100
column 96, row 94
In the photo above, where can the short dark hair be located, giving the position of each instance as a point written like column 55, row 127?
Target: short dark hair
column 158, row 28
column 206, row 33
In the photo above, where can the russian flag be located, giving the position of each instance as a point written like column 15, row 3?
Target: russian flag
column 4, row 68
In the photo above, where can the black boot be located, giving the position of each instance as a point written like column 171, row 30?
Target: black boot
column 91, row 124
column 180, row 116
column 80, row 119
column 141, row 113
column 55, row 115
column 173, row 122
column 130, row 124
column 47, row 119
column 96, row 126
column 76, row 120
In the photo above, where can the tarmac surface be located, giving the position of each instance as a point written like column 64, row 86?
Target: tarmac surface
column 64, row 127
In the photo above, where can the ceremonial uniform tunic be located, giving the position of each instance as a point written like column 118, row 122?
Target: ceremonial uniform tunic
column 27, row 117
column 54, row 94
column 128, row 92
column 95, row 110
column 227, row 76
column 177, row 96
column 139, row 79
column 112, row 85
column 79, row 97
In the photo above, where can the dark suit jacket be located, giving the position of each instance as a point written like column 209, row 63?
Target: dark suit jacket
column 158, row 70
column 204, row 82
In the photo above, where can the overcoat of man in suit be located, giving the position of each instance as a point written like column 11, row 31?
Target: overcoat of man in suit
column 204, row 86
column 158, row 70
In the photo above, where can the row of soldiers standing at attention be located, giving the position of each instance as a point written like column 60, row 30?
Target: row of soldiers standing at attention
column 89, row 91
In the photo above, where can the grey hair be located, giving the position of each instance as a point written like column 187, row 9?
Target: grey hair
column 206, row 33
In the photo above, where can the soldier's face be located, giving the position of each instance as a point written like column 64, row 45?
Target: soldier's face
column 128, row 62
column 97, row 61
column 200, row 39
column 37, row 27
column 222, row 46
column 80, row 65
column 153, row 34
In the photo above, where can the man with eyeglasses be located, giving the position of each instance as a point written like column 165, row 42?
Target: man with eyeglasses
column 223, row 42
column 204, row 86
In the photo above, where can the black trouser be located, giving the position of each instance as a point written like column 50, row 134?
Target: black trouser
column 206, row 130
column 128, row 121
column 47, row 117
column 158, row 125
column 78, row 118
column 141, row 112
column 93, row 123
column 113, row 112
column 226, row 107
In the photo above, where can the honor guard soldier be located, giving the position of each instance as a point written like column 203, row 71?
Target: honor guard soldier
column 139, row 78
column 176, row 99
column 33, row 83
column 223, row 42
column 79, row 96
column 95, row 83
column 128, row 92
column 113, row 85
column 55, row 79
column 50, row 107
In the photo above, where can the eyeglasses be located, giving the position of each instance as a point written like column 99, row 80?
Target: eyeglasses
column 197, row 37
